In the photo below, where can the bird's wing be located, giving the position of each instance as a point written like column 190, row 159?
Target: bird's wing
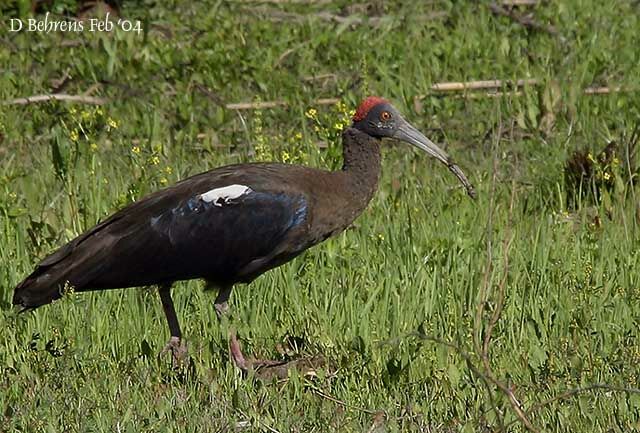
column 225, row 225
column 222, row 225
column 222, row 233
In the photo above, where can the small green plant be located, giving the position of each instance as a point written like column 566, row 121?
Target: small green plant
column 599, row 178
column 328, row 125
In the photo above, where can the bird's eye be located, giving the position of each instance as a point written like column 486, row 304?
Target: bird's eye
column 385, row 115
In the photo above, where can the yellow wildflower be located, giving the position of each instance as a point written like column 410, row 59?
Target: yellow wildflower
column 136, row 150
column 73, row 135
column 168, row 170
column 155, row 160
column 94, row 146
column 163, row 181
column 607, row 175
column 298, row 136
column 112, row 123
column 311, row 113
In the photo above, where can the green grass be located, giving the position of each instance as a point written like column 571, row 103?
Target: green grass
column 379, row 301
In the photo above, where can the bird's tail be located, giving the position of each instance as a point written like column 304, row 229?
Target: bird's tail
column 41, row 287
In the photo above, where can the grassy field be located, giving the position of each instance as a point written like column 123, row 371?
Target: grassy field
column 516, row 312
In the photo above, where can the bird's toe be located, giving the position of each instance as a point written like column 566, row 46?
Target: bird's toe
column 178, row 348
column 221, row 308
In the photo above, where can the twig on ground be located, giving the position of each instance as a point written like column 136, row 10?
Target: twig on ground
column 277, row 103
column 346, row 405
column 83, row 99
column 286, row 53
column 438, row 89
column 488, row 270
column 279, row 15
column 513, row 3
column 209, row 94
column 605, row 90
column 260, row 422
column 506, row 246
column 378, row 422
column 91, row 90
column 321, row 77
column 71, row 43
column 483, row 349
column 128, row 90
column 58, row 84
column 525, row 21
column 309, row 2
column 580, row 390
column 457, row 86
column 485, row 375
column 469, row 90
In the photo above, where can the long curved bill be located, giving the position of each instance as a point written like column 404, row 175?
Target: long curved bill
column 406, row 132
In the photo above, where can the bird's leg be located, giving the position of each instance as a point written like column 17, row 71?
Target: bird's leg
column 221, row 300
column 177, row 347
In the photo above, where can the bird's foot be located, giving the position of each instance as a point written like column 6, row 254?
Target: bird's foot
column 221, row 308
column 178, row 349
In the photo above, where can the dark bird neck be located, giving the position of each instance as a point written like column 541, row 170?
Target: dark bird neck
column 361, row 166
column 342, row 195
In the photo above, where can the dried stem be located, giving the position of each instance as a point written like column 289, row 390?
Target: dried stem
column 512, row 3
column 488, row 269
column 524, row 20
column 277, row 103
column 279, row 15
column 580, row 390
column 326, row 396
column 506, row 246
column 83, row 99
column 456, row 86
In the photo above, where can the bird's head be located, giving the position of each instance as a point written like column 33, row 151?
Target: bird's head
column 378, row 118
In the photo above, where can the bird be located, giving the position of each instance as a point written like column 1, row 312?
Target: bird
column 228, row 225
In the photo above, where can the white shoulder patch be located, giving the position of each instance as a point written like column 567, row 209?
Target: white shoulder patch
column 223, row 195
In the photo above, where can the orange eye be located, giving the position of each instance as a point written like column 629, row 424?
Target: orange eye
column 385, row 115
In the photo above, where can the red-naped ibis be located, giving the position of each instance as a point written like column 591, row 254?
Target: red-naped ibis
column 228, row 225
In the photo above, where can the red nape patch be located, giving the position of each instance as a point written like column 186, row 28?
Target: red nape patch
column 366, row 105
